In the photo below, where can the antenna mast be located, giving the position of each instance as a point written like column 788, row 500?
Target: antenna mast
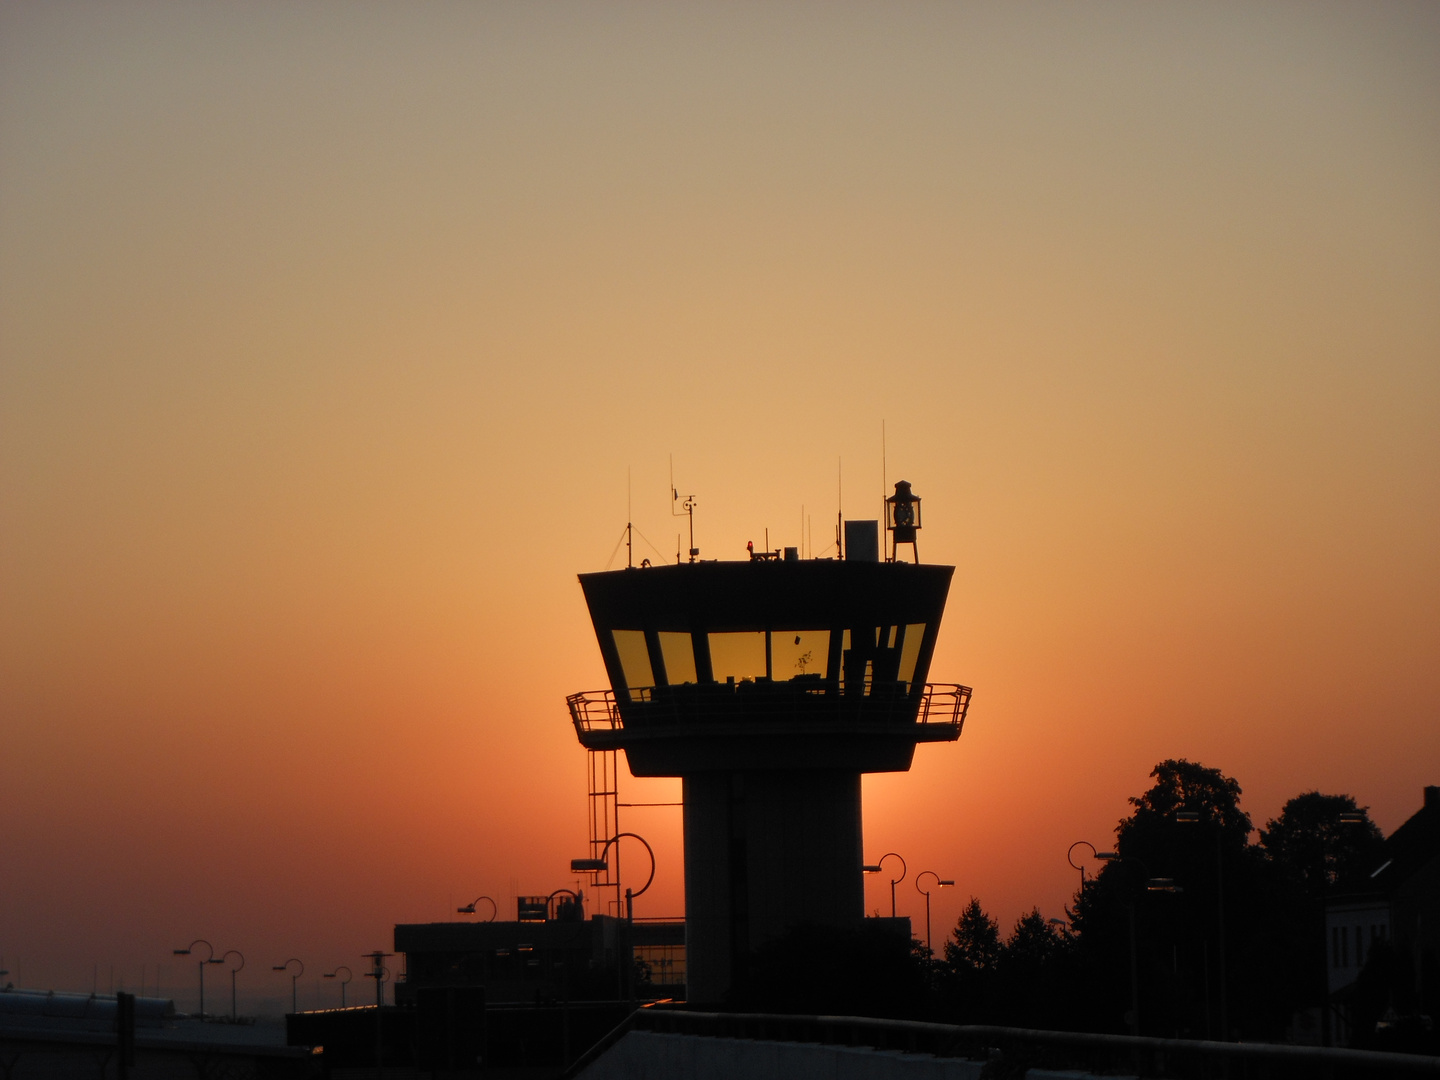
column 689, row 504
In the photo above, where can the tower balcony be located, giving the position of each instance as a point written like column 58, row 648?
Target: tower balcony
column 809, row 723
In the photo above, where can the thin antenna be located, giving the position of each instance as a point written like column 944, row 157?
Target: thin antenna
column 689, row 505
column 884, row 473
column 629, row 524
column 839, row 508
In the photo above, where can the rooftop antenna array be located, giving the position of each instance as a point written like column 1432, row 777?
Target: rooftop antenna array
column 689, row 506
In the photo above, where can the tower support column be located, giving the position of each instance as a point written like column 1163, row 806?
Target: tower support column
column 765, row 850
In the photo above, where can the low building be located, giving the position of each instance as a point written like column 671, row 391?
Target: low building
column 1383, row 932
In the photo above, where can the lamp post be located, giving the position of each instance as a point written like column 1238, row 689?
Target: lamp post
column 378, row 973
column 940, row 883
column 469, row 909
column 874, row 868
column 209, row 959
column 1070, row 858
column 1152, row 884
column 233, row 971
column 595, row 866
column 294, row 981
column 1194, row 816
column 575, row 897
column 348, row 976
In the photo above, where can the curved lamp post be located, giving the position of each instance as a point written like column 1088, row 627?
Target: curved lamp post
column 209, row 959
column 343, row 982
column 575, row 896
column 940, row 883
column 595, row 866
column 233, row 971
column 294, row 981
column 469, row 909
column 1070, row 858
column 380, row 973
column 874, row 868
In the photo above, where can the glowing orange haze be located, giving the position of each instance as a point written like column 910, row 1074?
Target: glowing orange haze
column 329, row 337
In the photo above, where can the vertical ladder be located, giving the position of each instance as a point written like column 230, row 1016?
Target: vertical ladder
column 605, row 823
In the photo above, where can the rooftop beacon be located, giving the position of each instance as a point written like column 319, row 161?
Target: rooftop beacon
column 769, row 685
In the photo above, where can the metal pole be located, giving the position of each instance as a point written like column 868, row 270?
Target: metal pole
column 1134, row 978
column 928, row 947
column 1220, row 913
column 202, row 990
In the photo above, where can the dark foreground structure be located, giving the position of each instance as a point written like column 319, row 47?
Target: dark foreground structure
column 682, row 1045
column 769, row 686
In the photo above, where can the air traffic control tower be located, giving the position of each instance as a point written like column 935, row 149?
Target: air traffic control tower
column 769, row 685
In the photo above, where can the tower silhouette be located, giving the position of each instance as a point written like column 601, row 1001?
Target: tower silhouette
column 769, row 686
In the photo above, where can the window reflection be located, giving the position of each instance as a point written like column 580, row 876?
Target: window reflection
column 634, row 661
column 910, row 652
column 679, row 657
column 738, row 656
column 798, row 652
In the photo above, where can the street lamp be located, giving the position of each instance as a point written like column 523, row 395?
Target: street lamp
column 348, row 976
column 1152, row 884
column 940, row 883
column 229, row 953
column 1194, row 816
column 874, row 868
column 469, row 909
column 294, row 981
column 209, row 959
column 380, row 973
column 575, row 898
column 1070, row 858
column 595, row 866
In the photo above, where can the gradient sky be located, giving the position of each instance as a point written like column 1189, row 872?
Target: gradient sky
column 334, row 339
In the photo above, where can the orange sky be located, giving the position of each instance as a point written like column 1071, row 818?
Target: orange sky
column 330, row 334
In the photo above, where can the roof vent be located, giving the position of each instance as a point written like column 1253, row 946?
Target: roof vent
column 1432, row 798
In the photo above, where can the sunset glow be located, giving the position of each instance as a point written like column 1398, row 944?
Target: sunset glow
column 337, row 339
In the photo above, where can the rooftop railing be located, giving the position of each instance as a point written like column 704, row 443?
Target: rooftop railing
column 940, row 705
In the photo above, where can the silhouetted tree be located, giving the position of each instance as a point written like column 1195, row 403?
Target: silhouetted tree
column 1170, row 878
column 974, row 944
column 1312, row 848
column 969, row 976
column 1034, row 974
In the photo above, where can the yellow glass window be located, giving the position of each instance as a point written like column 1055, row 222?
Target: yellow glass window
column 679, row 657
column 738, row 656
column 910, row 651
column 798, row 652
column 634, row 660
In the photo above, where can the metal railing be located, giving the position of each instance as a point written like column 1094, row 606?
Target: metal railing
column 940, row 704
column 1013, row 1051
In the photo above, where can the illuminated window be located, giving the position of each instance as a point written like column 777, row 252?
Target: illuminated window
column 798, row 652
column 679, row 657
column 634, row 660
column 737, row 656
column 910, row 651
